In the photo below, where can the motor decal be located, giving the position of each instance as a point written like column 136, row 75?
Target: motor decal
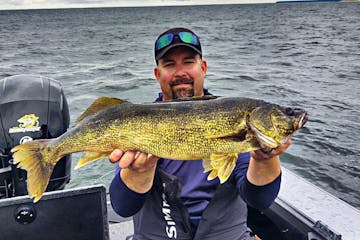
column 27, row 123
column 25, row 139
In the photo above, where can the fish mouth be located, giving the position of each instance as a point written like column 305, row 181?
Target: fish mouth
column 302, row 121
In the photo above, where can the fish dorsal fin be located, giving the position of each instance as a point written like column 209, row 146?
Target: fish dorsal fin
column 194, row 98
column 99, row 104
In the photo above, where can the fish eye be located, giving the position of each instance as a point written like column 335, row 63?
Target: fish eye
column 289, row 111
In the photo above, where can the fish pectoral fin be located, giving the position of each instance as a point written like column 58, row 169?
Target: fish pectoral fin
column 207, row 165
column 100, row 104
column 212, row 175
column 220, row 165
column 89, row 157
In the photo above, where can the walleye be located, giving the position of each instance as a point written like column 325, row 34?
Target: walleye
column 214, row 130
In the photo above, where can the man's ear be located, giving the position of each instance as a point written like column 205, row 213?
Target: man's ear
column 204, row 66
column 157, row 73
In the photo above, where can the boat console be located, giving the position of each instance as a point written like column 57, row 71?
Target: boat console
column 79, row 214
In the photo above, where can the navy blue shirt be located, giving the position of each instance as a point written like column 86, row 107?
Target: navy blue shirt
column 197, row 191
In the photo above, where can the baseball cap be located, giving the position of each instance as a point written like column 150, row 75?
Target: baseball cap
column 176, row 37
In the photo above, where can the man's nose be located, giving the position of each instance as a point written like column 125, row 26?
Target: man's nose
column 179, row 70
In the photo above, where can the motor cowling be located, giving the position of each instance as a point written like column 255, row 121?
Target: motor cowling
column 31, row 107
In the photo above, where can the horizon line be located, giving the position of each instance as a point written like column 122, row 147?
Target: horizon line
column 180, row 4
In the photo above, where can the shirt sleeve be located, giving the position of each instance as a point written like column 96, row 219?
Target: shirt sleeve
column 124, row 201
column 259, row 197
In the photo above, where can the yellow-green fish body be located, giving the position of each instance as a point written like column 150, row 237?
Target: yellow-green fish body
column 215, row 130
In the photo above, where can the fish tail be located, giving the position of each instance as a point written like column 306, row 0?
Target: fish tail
column 36, row 159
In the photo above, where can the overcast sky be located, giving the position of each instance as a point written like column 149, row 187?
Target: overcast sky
column 34, row 4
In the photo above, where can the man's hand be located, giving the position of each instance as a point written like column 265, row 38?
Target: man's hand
column 136, row 161
column 264, row 166
column 137, row 169
column 266, row 154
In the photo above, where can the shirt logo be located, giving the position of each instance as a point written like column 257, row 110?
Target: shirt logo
column 170, row 228
column 27, row 123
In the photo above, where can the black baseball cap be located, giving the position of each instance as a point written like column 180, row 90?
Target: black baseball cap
column 176, row 37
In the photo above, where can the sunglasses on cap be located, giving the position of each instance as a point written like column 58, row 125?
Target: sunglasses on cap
column 167, row 39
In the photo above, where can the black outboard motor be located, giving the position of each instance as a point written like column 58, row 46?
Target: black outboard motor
column 31, row 107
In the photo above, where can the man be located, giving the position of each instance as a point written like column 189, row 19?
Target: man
column 172, row 199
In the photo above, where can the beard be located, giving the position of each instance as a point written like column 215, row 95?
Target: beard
column 183, row 93
column 182, row 88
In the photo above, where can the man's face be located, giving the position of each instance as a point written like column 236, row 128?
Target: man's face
column 181, row 73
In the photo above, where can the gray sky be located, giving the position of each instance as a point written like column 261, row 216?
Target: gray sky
column 34, row 4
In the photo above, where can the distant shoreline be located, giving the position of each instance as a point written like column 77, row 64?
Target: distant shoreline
column 281, row 1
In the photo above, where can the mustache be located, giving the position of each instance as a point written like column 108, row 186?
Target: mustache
column 181, row 81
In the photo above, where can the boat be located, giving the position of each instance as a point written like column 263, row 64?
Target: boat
column 302, row 211
column 34, row 107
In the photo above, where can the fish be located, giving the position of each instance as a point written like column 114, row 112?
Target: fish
column 212, row 129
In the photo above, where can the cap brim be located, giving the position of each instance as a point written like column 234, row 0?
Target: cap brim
column 165, row 50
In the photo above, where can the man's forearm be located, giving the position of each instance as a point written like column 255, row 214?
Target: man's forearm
column 140, row 182
column 262, row 172
column 264, row 167
column 124, row 201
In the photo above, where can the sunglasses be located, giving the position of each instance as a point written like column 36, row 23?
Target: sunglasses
column 167, row 39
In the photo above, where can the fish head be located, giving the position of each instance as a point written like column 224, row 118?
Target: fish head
column 273, row 125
